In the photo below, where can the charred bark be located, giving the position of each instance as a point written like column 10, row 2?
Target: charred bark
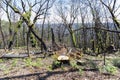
column 40, row 39
column 54, row 44
column 3, row 38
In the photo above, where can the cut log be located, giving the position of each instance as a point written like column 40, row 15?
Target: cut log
column 20, row 55
column 14, row 56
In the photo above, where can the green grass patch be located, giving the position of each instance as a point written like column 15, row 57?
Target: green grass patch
column 34, row 63
column 116, row 62
column 108, row 68
column 1, row 60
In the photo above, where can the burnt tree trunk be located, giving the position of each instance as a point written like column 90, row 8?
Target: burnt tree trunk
column 40, row 39
column 3, row 38
column 54, row 44
column 11, row 43
column 28, row 35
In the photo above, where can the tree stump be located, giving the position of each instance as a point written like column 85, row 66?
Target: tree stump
column 63, row 59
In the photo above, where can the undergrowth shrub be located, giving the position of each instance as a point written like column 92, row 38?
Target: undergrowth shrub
column 116, row 62
column 108, row 68
column 30, row 62
column 14, row 62
column 55, row 64
column 75, row 66
column 91, row 64
column 1, row 60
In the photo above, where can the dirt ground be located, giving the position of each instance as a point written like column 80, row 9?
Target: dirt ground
column 23, row 69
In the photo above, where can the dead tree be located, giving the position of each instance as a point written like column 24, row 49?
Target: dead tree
column 3, row 38
column 113, row 8
column 25, row 11
column 70, row 12
column 54, row 44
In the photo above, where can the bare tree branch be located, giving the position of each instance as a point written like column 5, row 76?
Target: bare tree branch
column 23, row 5
column 114, row 3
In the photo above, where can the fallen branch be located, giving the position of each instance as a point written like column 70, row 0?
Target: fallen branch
column 24, row 55
column 14, row 56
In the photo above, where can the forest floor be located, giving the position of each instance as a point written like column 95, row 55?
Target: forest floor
column 41, row 69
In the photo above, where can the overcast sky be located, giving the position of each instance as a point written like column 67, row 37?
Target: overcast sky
column 53, row 16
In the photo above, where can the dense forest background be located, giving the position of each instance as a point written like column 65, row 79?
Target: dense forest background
column 91, row 25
